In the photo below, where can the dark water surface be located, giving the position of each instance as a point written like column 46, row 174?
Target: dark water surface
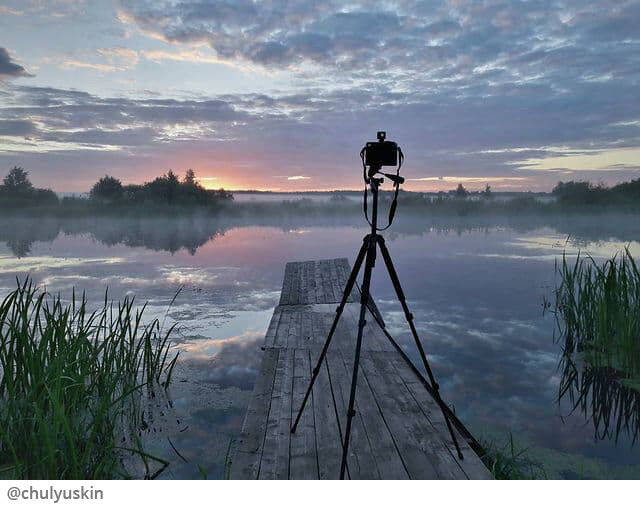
column 476, row 289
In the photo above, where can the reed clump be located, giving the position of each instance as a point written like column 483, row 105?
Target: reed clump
column 597, row 311
column 510, row 461
column 71, row 385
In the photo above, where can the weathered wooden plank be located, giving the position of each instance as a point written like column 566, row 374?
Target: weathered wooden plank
column 472, row 466
column 295, row 285
column 329, row 442
column 385, row 450
column 320, row 298
column 326, row 283
column 274, row 463
column 311, row 282
column 303, row 462
column 422, row 451
column 249, row 446
column 305, row 340
column 360, row 460
column 387, row 458
column 302, row 294
column 286, row 284
column 373, row 338
column 337, row 285
column 344, row 271
column 272, row 331
column 292, row 337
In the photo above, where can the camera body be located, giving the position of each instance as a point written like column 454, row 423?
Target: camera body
column 381, row 153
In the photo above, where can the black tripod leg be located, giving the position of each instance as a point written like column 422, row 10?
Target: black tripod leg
column 347, row 291
column 364, row 298
column 396, row 284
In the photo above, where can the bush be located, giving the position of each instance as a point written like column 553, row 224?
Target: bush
column 107, row 189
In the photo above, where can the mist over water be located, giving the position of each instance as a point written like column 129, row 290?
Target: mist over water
column 475, row 285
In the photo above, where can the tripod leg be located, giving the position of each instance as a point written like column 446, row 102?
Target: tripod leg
column 345, row 295
column 364, row 298
column 409, row 317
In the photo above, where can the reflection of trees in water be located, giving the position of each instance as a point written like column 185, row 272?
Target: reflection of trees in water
column 188, row 232
column 192, row 231
column 19, row 234
column 582, row 229
column 20, row 247
column 184, row 232
column 601, row 396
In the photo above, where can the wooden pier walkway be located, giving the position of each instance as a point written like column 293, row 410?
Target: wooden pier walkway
column 398, row 431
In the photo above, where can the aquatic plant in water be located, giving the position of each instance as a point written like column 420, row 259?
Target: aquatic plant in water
column 510, row 461
column 597, row 309
column 598, row 312
column 71, row 385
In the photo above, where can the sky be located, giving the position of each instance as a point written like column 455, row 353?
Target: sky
column 281, row 95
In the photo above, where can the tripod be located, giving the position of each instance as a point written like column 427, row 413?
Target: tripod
column 369, row 251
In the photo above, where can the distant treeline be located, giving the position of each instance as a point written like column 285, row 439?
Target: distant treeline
column 566, row 198
column 585, row 193
column 17, row 193
column 168, row 194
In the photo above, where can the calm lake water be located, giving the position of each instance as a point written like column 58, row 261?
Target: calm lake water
column 476, row 288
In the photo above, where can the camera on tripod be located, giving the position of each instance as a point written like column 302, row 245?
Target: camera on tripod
column 376, row 154
column 381, row 153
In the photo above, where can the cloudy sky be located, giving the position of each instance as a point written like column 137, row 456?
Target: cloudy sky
column 282, row 94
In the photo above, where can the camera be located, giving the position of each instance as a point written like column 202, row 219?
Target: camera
column 381, row 153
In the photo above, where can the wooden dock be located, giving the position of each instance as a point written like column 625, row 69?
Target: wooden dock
column 398, row 431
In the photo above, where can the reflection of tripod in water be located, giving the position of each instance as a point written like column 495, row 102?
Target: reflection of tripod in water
column 368, row 249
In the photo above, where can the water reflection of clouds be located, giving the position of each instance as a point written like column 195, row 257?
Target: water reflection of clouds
column 571, row 247
column 9, row 264
column 201, row 349
column 487, row 366
column 196, row 275
column 539, row 257
column 210, row 392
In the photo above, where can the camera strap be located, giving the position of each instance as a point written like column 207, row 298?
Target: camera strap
column 396, row 186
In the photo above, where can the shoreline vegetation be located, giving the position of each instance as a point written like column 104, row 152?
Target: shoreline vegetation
column 597, row 316
column 170, row 195
column 74, row 385
column 597, row 309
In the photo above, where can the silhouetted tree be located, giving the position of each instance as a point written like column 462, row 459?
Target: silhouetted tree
column 17, row 182
column 627, row 191
column 164, row 188
column 107, row 188
column 487, row 193
column 17, row 191
column 461, row 192
column 580, row 193
column 190, row 177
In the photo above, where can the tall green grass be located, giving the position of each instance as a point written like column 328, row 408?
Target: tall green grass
column 71, row 384
column 510, row 461
column 597, row 311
